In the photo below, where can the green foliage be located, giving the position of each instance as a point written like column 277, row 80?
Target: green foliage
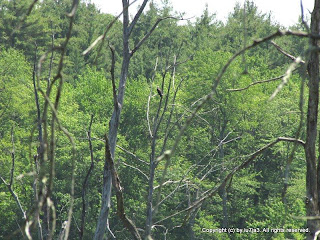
column 16, row 111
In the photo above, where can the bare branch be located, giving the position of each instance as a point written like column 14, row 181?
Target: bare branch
column 166, row 183
column 75, row 4
column 149, row 97
column 302, row 18
column 65, row 131
column 136, row 17
column 138, row 45
column 86, row 180
column 179, row 63
column 85, row 52
column 255, row 83
column 132, row 154
column 167, row 131
column 135, row 168
column 114, row 90
column 41, row 60
column 293, row 58
column 13, row 158
column 169, row 121
column 257, row 42
column 190, row 111
column 31, row 7
column 192, row 167
column 174, row 70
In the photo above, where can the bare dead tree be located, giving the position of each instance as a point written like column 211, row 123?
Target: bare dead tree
column 40, row 138
column 153, row 165
column 158, row 120
column 118, row 105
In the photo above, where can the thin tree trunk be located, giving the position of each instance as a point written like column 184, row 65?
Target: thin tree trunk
column 312, row 195
column 118, row 104
column 85, row 182
column 113, row 129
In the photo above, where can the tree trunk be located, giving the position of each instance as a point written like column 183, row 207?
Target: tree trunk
column 312, row 195
column 113, row 128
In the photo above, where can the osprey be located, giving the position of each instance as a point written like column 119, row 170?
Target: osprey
column 159, row 92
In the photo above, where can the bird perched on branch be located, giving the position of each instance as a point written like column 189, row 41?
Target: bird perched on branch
column 159, row 92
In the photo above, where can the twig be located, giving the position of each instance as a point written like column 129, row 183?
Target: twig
column 132, row 154
column 255, row 83
column 149, row 97
column 138, row 45
column 164, row 173
column 179, row 63
column 45, row 195
column 166, row 183
column 190, row 111
column 293, row 58
column 140, row 171
column 192, row 167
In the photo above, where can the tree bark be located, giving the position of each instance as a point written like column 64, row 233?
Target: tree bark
column 312, row 176
column 115, row 119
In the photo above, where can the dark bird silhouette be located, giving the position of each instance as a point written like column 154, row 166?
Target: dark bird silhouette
column 159, row 92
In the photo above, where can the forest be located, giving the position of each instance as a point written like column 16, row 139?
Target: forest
column 150, row 125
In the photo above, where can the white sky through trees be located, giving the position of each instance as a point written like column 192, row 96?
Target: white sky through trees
column 285, row 12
